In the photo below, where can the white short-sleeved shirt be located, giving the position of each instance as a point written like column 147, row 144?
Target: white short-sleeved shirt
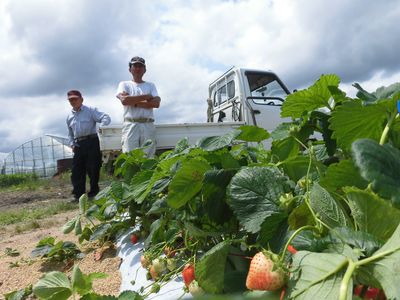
column 136, row 89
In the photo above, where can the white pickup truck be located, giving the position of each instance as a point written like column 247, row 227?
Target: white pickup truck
column 239, row 96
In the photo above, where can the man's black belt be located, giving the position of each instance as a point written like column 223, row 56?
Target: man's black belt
column 139, row 120
column 86, row 137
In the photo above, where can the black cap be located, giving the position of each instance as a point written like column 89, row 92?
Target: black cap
column 137, row 60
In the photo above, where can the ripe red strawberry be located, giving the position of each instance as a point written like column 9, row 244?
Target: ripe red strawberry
column 134, row 238
column 262, row 275
column 188, row 274
column 372, row 293
column 292, row 249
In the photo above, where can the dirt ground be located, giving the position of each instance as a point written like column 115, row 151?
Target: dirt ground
column 17, row 272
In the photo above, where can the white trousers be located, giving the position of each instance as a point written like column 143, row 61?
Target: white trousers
column 134, row 135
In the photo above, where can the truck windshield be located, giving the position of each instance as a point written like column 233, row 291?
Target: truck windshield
column 266, row 88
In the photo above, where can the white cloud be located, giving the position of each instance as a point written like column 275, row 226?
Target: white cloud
column 49, row 47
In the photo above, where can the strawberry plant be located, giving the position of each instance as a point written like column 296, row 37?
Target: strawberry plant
column 57, row 285
column 323, row 201
column 61, row 251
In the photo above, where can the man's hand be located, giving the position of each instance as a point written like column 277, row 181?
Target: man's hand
column 122, row 96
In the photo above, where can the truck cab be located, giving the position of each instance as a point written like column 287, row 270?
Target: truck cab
column 244, row 95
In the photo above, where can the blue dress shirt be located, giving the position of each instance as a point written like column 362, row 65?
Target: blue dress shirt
column 83, row 122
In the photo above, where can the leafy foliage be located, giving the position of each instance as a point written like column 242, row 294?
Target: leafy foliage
column 328, row 187
column 59, row 251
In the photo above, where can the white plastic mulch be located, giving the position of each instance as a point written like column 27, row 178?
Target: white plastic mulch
column 133, row 272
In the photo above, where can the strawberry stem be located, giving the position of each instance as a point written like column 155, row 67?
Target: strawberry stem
column 344, row 286
column 289, row 241
column 387, row 127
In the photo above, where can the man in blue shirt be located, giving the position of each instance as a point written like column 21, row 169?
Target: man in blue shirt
column 83, row 139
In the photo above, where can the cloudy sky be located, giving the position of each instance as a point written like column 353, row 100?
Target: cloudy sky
column 48, row 47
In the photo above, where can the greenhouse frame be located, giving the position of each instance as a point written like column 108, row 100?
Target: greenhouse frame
column 37, row 156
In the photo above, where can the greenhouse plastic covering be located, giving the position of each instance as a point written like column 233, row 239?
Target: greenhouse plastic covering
column 37, row 156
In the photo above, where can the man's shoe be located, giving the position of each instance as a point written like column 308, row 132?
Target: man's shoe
column 92, row 194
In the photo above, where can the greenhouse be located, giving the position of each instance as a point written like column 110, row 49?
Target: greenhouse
column 37, row 156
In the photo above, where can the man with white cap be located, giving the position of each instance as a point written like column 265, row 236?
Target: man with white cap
column 83, row 139
column 138, row 98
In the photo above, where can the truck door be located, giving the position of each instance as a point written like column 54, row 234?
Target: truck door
column 224, row 99
column 265, row 94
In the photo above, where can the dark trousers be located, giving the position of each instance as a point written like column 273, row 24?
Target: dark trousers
column 86, row 160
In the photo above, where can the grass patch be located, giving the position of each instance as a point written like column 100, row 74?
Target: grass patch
column 12, row 180
column 27, row 226
column 44, row 210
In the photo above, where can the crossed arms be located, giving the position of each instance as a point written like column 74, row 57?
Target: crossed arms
column 144, row 101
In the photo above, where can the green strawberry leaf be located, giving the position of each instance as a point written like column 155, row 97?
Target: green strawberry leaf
column 93, row 296
column 213, row 143
column 380, row 165
column 157, row 232
column 351, row 121
column 129, row 295
column 328, row 209
column 367, row 97
column 53, row 285
column 214, row 194
column 269, row 228
column 337, row 94
column 394, row 133
column 252, row 134
column 286, row 148
column 80, row 283
column 281, row 131
column 384, row 266
column 100, row 231
column 387, row 92
column 70, row 225
column 300, row 216
column 322, row 121
column 110, row 209
column 342, row 174
column 357, row 239
column 366, row 208
column 316, row 96
column 78, row 227
column 21, row 294
column 254, row 193
column 139, row 186
column 187, row 182
column 296, row 167
column 117, row 190
column 317, row 276
column 196, row 232
column 209, row 271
